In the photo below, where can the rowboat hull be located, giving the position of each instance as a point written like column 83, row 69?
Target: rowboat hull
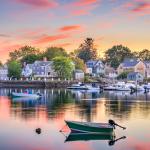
column 25, row 95
column 87, row 127
column 88, row 137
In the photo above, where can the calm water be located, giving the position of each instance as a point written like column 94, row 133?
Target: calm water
column 20, row 117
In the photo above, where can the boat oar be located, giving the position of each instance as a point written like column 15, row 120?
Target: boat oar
column 112, row 122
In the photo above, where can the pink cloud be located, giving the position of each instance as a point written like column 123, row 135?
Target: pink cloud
column 38, row 3
column 47, row 38
column 84, row 2
column 70, row 28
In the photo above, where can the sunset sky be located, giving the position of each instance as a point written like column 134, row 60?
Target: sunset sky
column 66, row 23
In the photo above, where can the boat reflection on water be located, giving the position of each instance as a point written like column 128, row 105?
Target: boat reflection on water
column 90, row 136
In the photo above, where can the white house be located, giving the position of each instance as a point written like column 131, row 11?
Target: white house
column 39, row 69
column 95, row 67
column 78, row 74
column 4, row 73
column 110, row 72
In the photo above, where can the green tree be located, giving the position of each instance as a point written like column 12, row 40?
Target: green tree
column 123, row 75
column 144, row 54
column 52, row 52
column 79, row 63
column 31, row 58
column 63, row 66
column 14, row 69
column 87, row 50
column 115, row 55
column 1, row 64
column 22, row 52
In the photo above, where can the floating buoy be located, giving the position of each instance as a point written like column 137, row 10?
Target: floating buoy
column 38, row 130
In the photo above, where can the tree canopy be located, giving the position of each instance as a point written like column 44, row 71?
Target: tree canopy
column 63, row 66
column 52, row 52
column 87, row 50
column 115, row 55
column 23, row 52
column 14, row 69
column 144, row 55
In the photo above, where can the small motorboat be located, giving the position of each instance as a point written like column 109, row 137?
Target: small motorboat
column 14, row 94
column 89, row 127
column 82, row 86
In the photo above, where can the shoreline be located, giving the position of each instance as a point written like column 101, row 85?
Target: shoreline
column 35, row 84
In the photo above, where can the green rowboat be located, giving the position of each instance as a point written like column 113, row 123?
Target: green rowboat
column 88, row 127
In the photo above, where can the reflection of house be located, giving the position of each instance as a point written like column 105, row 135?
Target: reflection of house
column 40, row 69
column 132, row 65
column 110, row 72
column 135, row 76
column 147, row 64
column 78, row 74
column 4, row 72
column 95, row 67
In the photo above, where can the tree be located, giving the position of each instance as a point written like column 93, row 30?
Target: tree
column 123, row 75
column 52, row 52
column 31, row 58
column 63, row 66
column 14, row 69
column 144, row 55
column 1, row 64
column 115, row 55
column 22, row 52
column 79, row 63
column 86, row 50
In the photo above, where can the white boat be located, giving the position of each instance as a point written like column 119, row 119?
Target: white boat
column 14, row 94
column 147, row 86
column 81, row 86
column 120, row 86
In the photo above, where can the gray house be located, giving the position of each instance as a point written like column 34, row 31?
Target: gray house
column 135, row 76
column 40, row 69
column 4, row 73
column 95, row 67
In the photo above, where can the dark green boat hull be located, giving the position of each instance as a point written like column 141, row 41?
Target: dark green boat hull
column 75, row 127
column 87, row 137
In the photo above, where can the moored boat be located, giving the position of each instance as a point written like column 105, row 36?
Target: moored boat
column 88, row 127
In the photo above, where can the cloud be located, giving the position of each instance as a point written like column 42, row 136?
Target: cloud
column 47, row 38
column 84, row 2
column 38, row 3
column 70, row 28
column 4, row 35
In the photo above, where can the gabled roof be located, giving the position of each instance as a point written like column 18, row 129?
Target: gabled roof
column 43, row 63
column 130, row 62
column 92, row 62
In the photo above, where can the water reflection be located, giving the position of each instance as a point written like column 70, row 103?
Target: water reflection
column 23, row 116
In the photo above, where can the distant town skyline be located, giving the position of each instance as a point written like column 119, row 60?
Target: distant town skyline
column 66, row 23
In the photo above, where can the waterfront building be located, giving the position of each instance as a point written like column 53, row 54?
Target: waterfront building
column 95, row 67
column 78, row 74
column 135, row 76
column 147, row 64
column 4, row 73
column 132, row 65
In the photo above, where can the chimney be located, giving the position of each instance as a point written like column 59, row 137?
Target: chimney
column 44, row 59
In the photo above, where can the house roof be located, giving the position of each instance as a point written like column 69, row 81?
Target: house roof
column 92, row 62
column 133, row 73
column 43, row 63
column 78, row 71
column 130, row 62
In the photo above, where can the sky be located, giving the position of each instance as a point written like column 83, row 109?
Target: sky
column 66, row 23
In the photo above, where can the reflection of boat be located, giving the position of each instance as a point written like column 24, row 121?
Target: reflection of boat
column 14, row 94
column 81, row 86
column 88, row 136
column 88, row 127
column 24, row 98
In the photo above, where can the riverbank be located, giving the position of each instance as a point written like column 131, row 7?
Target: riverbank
column 35, row 84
